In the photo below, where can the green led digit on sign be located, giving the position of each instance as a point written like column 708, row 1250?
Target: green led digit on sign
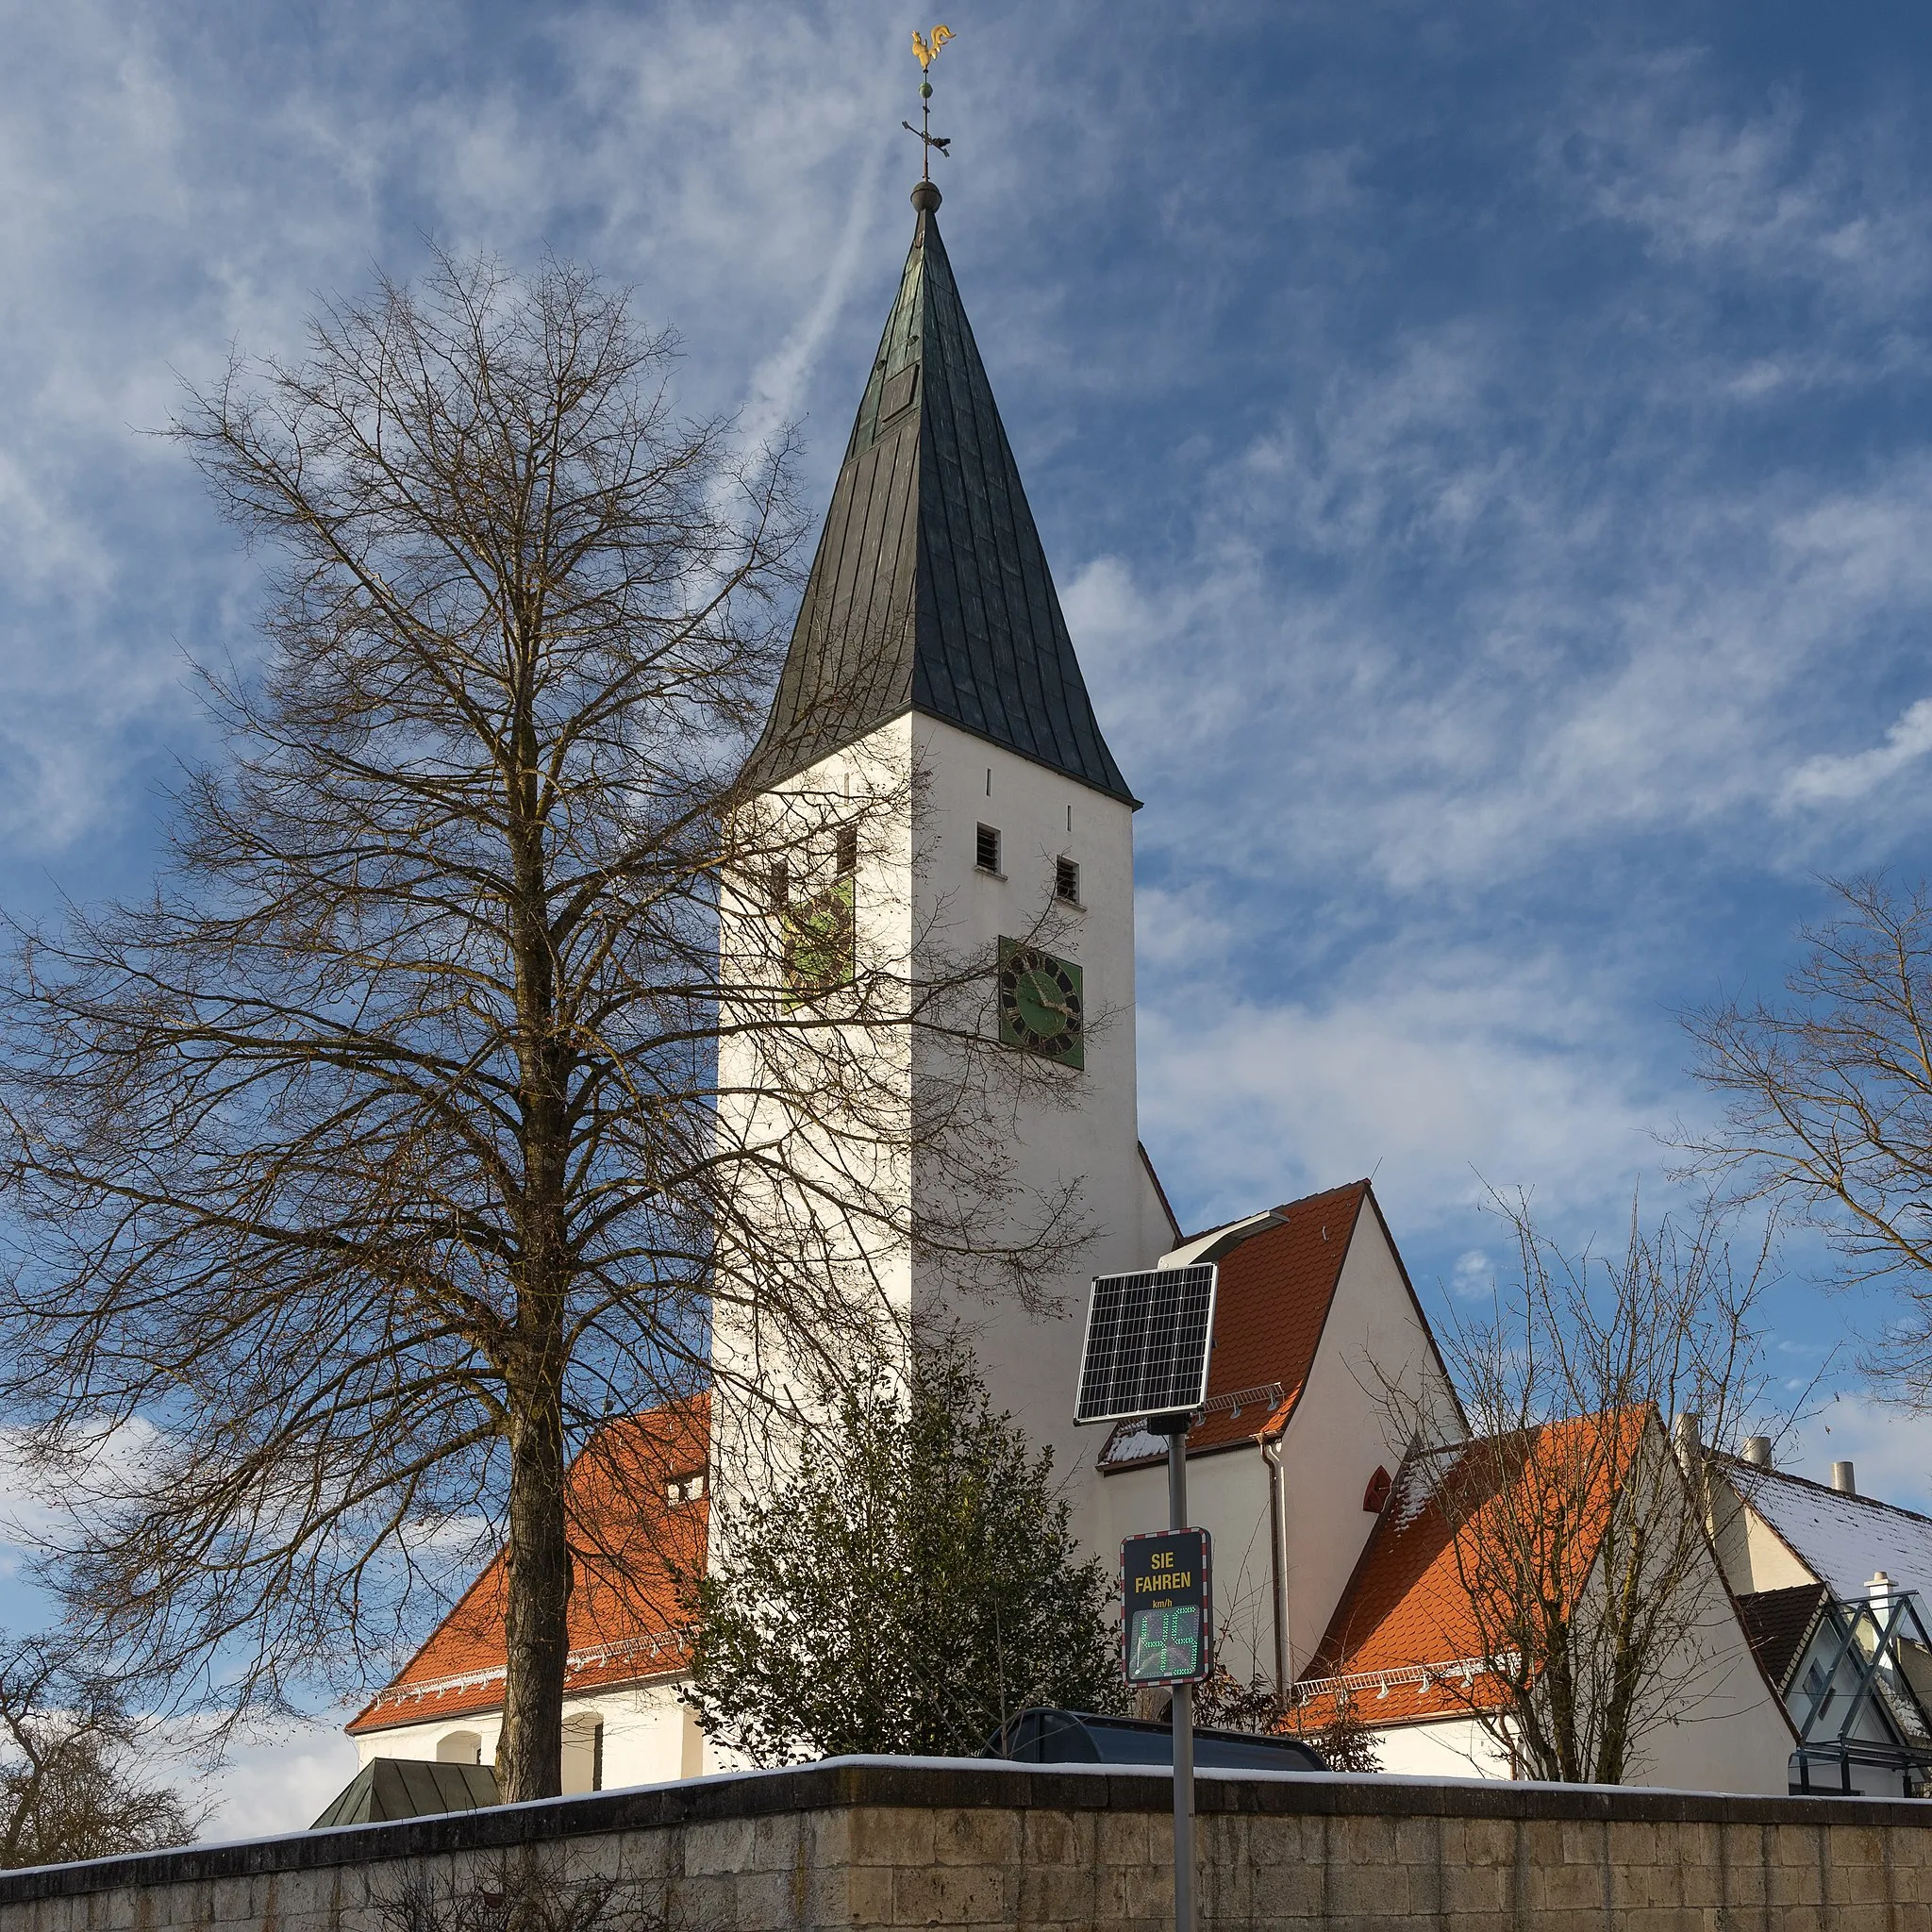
column 1166, row 1645
column 1164, row 1588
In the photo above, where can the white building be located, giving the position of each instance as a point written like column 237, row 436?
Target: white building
column 640, row 1511
column 1833, row 1589
column 1321, row 1356
column 932, row 691
column 1405, row 1650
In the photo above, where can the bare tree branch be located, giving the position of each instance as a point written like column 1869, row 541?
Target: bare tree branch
column 1829, row 1105
column 1588, row 1597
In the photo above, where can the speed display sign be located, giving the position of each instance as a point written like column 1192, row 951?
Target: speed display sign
column 1169, row 1611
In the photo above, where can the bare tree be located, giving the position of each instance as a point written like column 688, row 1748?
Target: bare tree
column 530, row 1890
column 1829, row 1108
column 1589, row 1598
column 67, row 1790
column 488, row 1037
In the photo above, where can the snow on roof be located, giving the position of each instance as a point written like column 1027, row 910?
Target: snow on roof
column 1842, row 1539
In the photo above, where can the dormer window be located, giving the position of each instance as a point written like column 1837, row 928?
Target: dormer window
column 687, row 1487
column 1066, row 881
column 986, row 850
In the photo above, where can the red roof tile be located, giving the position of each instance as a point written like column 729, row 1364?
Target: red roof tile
column 628, row 1541
column 1407, row 1615
column 1272, row 1302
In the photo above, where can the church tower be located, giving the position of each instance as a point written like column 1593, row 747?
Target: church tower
column 932, row 687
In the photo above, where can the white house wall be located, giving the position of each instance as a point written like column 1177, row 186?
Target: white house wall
column 1227, row 1496
column 649, row 1737
column 1727, row 1731
column 1343, row 1427
column 1458, row 1747
column 1754, row 1556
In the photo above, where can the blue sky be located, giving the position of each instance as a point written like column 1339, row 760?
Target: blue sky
column 1485, row 452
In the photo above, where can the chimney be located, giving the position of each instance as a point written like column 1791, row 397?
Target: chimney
column 1686, row 1440
column 1758, row 1451
column 1842, row 1480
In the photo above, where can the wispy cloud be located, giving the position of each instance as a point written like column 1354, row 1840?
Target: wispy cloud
column 1827, row 779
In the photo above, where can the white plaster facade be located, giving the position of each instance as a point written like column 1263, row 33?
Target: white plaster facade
column 648, row 1736
column 917, row 890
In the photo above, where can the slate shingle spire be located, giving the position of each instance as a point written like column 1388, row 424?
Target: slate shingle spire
column 930, row 590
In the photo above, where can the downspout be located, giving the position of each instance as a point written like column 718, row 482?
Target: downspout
column 1277, row 1560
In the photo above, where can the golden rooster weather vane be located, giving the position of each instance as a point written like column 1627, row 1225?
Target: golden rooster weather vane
column 925, row 50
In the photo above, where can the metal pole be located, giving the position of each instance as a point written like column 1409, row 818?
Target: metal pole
column 1182, row 1705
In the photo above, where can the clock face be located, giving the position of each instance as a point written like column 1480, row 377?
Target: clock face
column 1039, row 1004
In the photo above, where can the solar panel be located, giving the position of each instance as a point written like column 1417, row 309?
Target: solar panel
column 1147, row 1338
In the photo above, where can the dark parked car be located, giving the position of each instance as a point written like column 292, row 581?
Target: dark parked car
column 1078, row 1737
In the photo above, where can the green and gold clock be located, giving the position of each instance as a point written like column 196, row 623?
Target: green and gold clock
column 1041, row 1005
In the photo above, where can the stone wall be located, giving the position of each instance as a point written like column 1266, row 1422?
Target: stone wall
column 892, row 1843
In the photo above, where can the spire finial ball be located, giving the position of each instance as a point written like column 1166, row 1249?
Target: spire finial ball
column 925, row 89
column 925, row 196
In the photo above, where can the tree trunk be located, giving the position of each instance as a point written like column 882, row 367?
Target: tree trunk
column 536, row 1625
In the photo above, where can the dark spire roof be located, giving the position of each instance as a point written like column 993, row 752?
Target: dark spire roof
column 930, row 590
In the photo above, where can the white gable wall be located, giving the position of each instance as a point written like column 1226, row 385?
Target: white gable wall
column 1345, row 1427
column 1728, row 1732
column 1755, row 1557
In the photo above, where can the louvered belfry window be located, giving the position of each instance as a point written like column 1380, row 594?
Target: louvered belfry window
column 898, row 390
column 1066, row 881
column 986, row 849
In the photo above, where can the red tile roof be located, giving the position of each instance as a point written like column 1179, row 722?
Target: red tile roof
column 628, row 1542
column 1271, row 1306
column 1405, row 1620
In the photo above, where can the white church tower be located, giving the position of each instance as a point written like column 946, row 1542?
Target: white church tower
column 931, row 683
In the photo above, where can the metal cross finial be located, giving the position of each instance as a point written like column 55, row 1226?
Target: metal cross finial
column 925, row 50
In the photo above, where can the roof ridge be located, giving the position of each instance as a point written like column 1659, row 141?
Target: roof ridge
column 1759, row 1473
